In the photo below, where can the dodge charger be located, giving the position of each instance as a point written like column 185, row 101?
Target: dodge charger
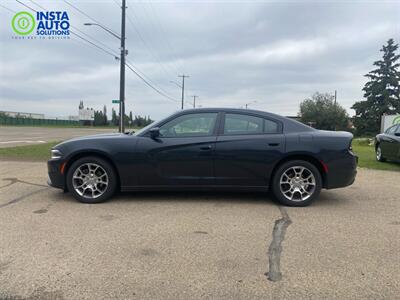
column 207, row 149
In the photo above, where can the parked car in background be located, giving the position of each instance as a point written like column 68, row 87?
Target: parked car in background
column 208, row 149
column 387, row 144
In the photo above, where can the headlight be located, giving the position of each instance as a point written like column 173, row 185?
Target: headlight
column 55, row 154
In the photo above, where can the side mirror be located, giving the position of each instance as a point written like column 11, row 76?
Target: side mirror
column 154, row 132
column 397, row 134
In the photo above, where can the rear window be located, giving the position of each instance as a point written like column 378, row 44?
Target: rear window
column 391, row 130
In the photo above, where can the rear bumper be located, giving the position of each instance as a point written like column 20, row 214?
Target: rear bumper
column 56, row 179
column 341, row 172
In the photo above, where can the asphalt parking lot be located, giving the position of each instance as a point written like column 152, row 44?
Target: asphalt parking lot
column 197, row 245
column 18, row 136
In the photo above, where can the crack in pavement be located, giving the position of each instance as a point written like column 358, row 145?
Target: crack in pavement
column 14, row 180
column 275, row 248
column 23, row 197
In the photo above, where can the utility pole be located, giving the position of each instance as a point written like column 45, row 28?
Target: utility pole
column 194, row 100
column 124, row 52
column 335, row 97
column 122, row 72
column 183, row 87
column 335, row 111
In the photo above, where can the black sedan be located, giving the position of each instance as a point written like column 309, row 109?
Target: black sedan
column 387, row 144
column 204, row 149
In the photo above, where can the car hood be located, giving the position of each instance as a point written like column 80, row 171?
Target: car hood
column 96, row 137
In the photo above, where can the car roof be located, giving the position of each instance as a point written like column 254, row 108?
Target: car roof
column 289, row 124
column 233, row 110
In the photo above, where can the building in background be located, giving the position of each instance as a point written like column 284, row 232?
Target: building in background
column 15, row 114
column 86, row 115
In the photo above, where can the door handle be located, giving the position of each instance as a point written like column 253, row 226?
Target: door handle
column 205, row 148
column 273, row 144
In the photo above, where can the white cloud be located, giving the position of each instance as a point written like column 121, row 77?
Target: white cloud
column 277, row 53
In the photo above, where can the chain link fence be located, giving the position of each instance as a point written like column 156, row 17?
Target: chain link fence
column 6, row 120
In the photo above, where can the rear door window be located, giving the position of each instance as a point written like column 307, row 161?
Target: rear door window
column 242, row 124
column 238, row 124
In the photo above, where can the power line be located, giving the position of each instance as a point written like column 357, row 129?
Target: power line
column 155, row 57
column 9, row 9
column 157, row 18
column 116, row 2
column 95, row 45
column 148, row 79
column 149, row 84
column 149, row 47
column 112, row 54
column 85, row 14
column 162, row 34
column 37, row 5
column 27, row 6
column 104, row 45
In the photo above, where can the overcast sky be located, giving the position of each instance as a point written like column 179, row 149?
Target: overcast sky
column 275, row 52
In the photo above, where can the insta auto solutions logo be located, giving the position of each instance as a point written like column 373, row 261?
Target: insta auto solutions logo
column 41, row 25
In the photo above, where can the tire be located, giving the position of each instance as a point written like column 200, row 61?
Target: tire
column 91, row 180
column 296, row 183
column 378, row 152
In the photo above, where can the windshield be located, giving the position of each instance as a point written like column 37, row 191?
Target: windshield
column 140, row 131
column 144, row 128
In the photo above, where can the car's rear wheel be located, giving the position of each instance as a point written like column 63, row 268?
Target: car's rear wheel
column 296, row 183
column 379, row 156
column 91, row 180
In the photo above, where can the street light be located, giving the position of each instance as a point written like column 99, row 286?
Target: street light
column 247, row 104
column 106, row 29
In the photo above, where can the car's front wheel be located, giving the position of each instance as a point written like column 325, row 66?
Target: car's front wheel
column 379, row 156
column 91, row 180
column 296, row 183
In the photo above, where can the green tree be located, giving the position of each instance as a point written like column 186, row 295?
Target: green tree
column 382, row 92
column 98, row 118
column 114, row 117
column 321, row 111
column 105, row 119
column 130, row 116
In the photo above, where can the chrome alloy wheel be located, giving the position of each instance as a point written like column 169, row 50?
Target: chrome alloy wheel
column 297, row 183
column 90, row 180
column 378, row 153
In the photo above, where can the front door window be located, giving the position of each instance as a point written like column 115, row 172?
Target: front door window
column 190, row 125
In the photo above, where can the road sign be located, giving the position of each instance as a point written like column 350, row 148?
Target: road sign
column 115, row 101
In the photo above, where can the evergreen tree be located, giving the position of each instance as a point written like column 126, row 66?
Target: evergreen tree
column 382, row 92
column 114, row 117
column 98, row 118
column 105, row 122
column 131, row 117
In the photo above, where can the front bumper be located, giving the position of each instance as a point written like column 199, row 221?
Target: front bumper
column 56, row 178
